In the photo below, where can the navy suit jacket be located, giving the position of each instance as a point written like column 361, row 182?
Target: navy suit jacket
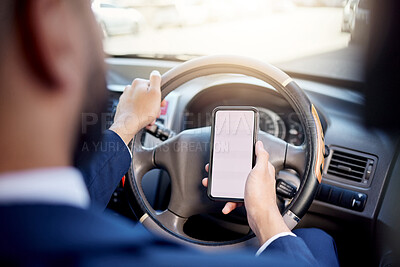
column 38, row 235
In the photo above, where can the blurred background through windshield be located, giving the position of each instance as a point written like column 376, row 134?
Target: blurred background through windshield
column 314, row 37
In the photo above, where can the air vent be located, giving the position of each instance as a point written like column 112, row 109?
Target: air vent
column 351, row 165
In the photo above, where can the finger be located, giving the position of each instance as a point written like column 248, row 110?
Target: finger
column 138, row 82
column 163, row 105
column 229, row 206
column 262, row 155
column 271, row 169
column 155, row 80
column 207, row 167
column 205, row 182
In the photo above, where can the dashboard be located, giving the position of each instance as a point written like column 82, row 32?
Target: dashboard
column 341, row 112
column 285, row 126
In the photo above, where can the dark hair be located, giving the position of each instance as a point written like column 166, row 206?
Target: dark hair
column 383, row 67
column 7, row 20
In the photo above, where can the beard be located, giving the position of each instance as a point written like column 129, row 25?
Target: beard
column 93, row 109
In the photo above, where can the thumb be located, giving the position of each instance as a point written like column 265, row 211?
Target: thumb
column 262, row 156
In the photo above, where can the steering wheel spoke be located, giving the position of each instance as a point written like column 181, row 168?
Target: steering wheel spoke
column 172, row 221
column 184, row 158
column 296, row 158
column 276, row 148
column 185, row 155
column 144, row 157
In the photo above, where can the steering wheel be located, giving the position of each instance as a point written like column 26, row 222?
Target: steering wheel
column 185, row 155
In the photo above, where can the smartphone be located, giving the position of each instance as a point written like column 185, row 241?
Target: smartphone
column 233, row 136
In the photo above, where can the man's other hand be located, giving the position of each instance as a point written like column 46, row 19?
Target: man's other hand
column 138, row 106
column 260, row 198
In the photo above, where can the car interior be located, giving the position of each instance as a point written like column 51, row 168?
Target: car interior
column 323, row 47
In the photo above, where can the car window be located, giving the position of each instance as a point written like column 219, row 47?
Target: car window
column 316, row 37
column 107, row 6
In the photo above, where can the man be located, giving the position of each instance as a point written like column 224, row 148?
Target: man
column 52, row 72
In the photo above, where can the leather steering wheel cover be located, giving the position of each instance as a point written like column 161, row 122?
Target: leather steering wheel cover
column 288, row 89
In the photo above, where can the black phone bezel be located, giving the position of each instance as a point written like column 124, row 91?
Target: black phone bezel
column 255, row 133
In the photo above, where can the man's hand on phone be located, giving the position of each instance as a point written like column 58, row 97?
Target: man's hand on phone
column 229, row 206
column 260, row 198
column 138, row 106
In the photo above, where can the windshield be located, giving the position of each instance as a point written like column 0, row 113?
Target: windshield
column 315, row 37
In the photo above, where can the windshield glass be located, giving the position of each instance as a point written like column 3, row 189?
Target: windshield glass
column 315, row 37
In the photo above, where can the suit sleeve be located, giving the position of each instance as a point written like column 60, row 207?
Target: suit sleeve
column 103, row 165
column 140, row 247
column 291, row 247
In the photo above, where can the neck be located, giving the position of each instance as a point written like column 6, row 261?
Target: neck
column 35, row 128
column 33, row 140
column 27, row 155
column 12, row 160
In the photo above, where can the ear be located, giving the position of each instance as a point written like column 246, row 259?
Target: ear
column 47, row 39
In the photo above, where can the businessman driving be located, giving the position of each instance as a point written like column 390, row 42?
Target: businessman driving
column 52, row 73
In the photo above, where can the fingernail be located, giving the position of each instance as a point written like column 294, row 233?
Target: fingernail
column 225, row 210
column 155, row 72
column 259, row 144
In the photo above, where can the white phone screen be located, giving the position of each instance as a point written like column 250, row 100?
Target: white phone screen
column 232, row 152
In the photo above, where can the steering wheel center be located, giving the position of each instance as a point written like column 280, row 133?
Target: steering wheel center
column 185, row 155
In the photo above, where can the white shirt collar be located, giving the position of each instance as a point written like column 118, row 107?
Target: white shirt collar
column 54, row 186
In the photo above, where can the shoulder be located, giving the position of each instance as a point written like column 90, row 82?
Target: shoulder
column 44, row 229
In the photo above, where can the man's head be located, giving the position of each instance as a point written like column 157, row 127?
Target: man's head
column 51, row 71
